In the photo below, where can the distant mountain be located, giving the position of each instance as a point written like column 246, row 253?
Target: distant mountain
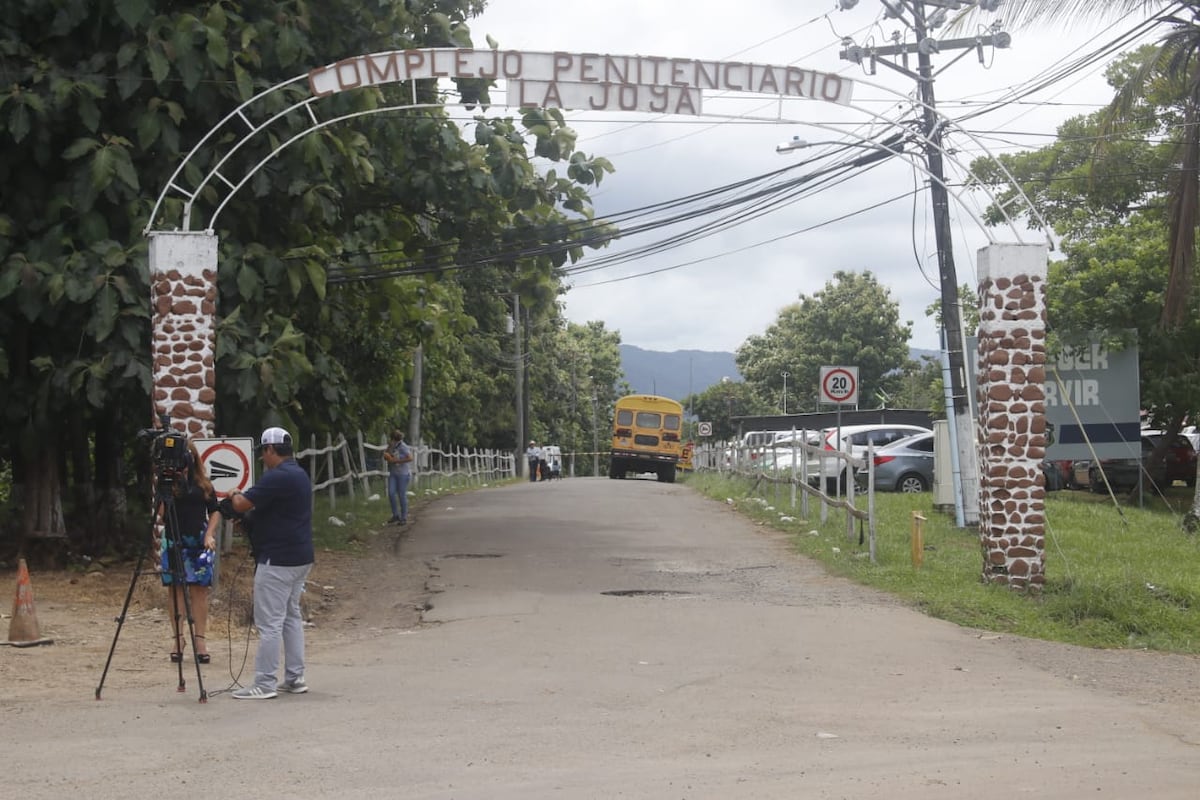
column 676, row 374
column 682, row 372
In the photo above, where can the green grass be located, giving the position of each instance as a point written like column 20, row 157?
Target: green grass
column 1114, row 579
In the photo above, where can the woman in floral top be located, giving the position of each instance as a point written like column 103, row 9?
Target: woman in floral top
column 194, row 520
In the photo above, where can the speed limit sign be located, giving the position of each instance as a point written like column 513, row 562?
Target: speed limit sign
column 839, row 385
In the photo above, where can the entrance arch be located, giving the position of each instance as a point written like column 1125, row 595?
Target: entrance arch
column 183, row 262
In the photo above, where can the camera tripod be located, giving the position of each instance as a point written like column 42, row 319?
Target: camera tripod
column 179, row 588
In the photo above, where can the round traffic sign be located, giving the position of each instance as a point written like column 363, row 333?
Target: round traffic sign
column 705, row 428
column 839, row 384
column 228, row 466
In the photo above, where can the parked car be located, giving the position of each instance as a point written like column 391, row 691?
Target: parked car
column 1121, row 473
column 854, row 440
column 1058, row 474
column 905, row 465
column 1193, row 436
column 1180, row 458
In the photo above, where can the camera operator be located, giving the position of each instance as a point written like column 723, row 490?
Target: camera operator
column 282, row 544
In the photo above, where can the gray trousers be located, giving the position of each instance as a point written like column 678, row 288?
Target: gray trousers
column 277, row 616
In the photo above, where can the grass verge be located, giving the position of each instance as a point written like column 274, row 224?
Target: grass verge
column 345, row 524
column 1114, row 579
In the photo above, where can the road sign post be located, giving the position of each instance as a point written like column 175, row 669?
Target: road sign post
column 839, row 386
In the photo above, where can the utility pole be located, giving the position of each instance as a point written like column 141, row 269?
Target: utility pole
column 414, row 396
column 595, row 437
column 920, row 23
column 519, row 381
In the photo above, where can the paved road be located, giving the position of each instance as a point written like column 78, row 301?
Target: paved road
column 625, row 639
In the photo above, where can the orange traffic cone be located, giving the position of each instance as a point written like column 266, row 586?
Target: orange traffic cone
column 23, row 630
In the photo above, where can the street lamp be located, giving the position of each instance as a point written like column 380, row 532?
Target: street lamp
column 785, row 377
column 893, row 145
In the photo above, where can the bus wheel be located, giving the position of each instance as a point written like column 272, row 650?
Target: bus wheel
column 615, row 471
column 666, row 474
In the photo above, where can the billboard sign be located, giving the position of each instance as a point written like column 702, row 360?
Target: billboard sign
column 1092, row 396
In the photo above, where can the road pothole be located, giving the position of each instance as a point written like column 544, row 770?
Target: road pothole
column 647, row 593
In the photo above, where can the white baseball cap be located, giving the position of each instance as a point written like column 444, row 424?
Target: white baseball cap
column 275, row 436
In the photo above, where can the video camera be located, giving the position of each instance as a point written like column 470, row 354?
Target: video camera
column 169, row 450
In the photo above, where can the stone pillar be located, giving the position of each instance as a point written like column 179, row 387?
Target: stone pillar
column 183, row 289
column 1011, row 379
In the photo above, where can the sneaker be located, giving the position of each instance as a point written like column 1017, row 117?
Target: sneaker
column 298, row 686
column 392, row 521
column 253, row 693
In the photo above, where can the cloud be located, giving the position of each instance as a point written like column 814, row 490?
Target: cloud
column 728, row 289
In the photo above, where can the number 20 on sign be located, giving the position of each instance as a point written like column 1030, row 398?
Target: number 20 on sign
column 839, row 385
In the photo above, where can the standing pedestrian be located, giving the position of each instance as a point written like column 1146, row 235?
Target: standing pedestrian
column 281, row 540
column 533, row 454
column 399, row 458
column 191, row 520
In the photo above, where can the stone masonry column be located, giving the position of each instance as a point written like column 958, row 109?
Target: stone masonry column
column 183, row 294
column 1012, row 414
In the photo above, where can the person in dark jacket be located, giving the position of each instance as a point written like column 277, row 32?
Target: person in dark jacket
column 281, row 539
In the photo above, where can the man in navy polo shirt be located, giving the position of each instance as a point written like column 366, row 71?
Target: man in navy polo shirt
column 282, row 545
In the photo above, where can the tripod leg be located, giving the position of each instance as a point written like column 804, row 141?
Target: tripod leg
column 179, row 579
column 191, row 622
column 177, row 608
column 137, row 572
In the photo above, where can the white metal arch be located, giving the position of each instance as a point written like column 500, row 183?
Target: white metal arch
column 241, row 123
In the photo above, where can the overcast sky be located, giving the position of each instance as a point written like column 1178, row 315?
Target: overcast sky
column 714, row 293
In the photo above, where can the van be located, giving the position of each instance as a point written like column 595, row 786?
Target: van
column 552, row 454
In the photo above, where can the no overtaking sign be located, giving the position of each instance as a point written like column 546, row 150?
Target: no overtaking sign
column 229, row 462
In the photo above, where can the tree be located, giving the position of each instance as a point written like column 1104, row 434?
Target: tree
column 575, row 379
column 100, row 102
column 1176, row 59
column 852, row 321
column 722, row 404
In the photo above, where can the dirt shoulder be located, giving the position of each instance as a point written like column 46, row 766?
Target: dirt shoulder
column 351, row 595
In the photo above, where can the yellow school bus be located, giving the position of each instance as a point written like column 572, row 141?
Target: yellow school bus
column 646, row 436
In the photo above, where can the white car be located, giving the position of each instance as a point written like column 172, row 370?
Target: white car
column 854, row 440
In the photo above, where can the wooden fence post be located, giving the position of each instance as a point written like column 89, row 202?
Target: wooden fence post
column 312, row 466
column 345, row 446
column 362, row 466
column 329, row 467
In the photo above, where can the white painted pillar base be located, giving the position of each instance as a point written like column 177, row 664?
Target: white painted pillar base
column 183, row 295
column 1012, row 414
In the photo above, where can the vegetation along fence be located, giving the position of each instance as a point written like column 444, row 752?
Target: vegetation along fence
column 801, row 470
column 343, row 466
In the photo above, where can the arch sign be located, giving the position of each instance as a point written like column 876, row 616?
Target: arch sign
column 839, row 385
column 584, row 81
column 229, row 463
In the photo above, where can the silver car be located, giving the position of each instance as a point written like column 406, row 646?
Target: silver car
column 903, row 466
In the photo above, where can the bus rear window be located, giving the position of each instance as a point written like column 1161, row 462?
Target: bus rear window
column 625, row 417
column 671, row 423
column 649, row 419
